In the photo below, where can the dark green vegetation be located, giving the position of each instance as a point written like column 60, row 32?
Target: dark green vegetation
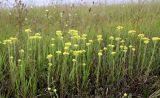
column 78, row 51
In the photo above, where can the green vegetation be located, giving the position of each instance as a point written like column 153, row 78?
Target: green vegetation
column 80, row 51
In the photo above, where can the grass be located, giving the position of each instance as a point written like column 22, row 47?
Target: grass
column 106, row 51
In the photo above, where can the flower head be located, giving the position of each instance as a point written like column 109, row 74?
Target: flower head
column 125, row 95
column 28, row 30
column 74, row 60
column 49, row 56
column 65, row 53
column 113, row 53
column 58, row 52
column 111, row 38
column 59, row 33
column 119, row 27
column 131, row 31
column 155, row 39
column 133, row 49
column 99, row 53
column 141, row 35
column 88, row 44
column 117, row 38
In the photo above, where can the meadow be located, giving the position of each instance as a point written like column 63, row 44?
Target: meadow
column 81, row 51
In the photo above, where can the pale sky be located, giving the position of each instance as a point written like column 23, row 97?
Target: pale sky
column 47, row 2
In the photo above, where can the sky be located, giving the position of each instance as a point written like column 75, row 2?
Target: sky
column 47, row 2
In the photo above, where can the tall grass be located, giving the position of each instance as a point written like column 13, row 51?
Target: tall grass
column 67, row 51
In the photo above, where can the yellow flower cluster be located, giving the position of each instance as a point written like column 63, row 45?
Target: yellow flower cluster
column 155, row 39
column 36, row 36
column 49, row 56
column 73, row 32
column 141, row 35
column 99, row 38
column 131, row 31
column 119, row 27
column 77, row 53
column 111, row 38
column 28, row 30
column 100, row 53
column 59, row 33
column 10, row 40
column 145, row 40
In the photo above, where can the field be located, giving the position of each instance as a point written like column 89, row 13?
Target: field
column 80, row 51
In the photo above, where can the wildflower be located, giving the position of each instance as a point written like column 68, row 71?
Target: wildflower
column 130, row 46
column 28, row 30
column 14, row 39
column 117, row 38
column 155, row 39
column 113, row 53
column 99, row 36
column 61, row 37
column 65, row 53
column 121, row 46
column 90, row 41
column 73, row 32
column 76, row 45
column 133, row 49
column 84, row 35
column 125, row 95
column 111, row 38
column 66, row 48
column 100, row 50
column 55, row 90
column 111, row 46
column 99, row 54
column 119, row 27
column 74, row 60
column 122, row 41
column 84, row 64
column 99, row 39
column 21, row 51
column 49, row 56
column 32, row 37
column 80, row 51
column 146, row 41
column 49, row 88
column 68, row 44
column 37, row 34
column 52, row 39
column 141, row 35
column 105, row 48
column 145, row 38
column 19, row 60
column 59, row 33
column 58, row 52
column 11, row 57
column 124, row 51
column 83, row 51
column 131, row 32
column 83, row 38
column 50, row 64
column 125, row 48
column 76, row 53
column 52, row 45
column 88, row 44
column 76, row 37
column 47, row 10
column 7, row 41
